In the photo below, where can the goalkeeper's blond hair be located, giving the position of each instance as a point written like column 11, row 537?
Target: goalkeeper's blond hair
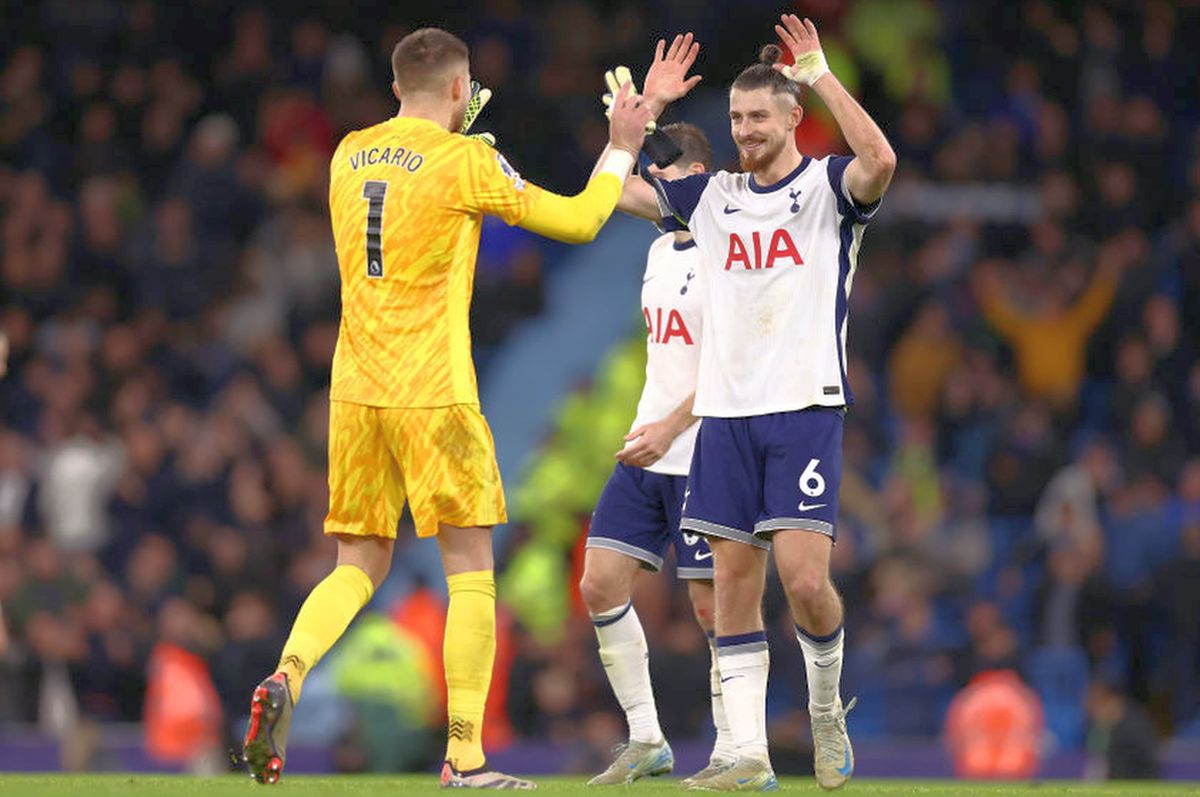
column 424, row 60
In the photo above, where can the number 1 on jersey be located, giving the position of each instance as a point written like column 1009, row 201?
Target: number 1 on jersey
column 374, row 191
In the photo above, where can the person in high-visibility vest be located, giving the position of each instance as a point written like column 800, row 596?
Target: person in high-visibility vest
column 994, row 728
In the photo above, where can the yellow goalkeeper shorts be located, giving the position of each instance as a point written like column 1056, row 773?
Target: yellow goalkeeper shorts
column 442, row 460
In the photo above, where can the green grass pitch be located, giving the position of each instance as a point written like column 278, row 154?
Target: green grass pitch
column 302, row 786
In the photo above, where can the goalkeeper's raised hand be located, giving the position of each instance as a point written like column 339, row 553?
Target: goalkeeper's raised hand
column 479, row 98
column 801, row 38
column 667, row 79
column 627, row 124
column 614, row 79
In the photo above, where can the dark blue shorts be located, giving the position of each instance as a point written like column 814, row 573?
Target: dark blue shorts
column 754, row 476
column 638, row 515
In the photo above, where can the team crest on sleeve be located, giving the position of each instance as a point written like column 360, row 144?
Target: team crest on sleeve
column 517, row 181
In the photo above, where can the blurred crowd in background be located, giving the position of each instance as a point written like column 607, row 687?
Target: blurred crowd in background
column 1022, row 485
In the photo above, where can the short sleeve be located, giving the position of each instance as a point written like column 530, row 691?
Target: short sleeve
column 493, row 187
column 671, row 224
column 678, row 199
column 847, row 205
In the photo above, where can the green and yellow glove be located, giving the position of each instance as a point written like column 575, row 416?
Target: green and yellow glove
column 479, row 98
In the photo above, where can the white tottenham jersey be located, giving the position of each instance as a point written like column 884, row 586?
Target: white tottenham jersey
column 778, row 263
column 672, row 305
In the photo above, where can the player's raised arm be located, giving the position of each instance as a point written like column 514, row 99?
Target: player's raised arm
column 869, row 174
column 577, row 219
column 667, row 80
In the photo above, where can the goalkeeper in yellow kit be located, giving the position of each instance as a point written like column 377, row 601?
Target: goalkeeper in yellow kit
column 406, row 199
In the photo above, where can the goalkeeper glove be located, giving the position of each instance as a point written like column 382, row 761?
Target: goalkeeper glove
column 615, row 79
column 809, row 67
column 479, row 98
column 658, row 146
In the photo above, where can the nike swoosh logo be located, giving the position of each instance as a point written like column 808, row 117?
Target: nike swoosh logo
column 845, row 768
column 700, row 557
column 729, row 210
column 803, row 507
column 823, row 666
column 730, row 678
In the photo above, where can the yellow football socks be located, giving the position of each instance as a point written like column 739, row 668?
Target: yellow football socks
column 322, row 620
column 469, row 651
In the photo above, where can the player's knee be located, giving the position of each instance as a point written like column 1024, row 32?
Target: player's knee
column 805, row 586
column 736, row 566
column 729, row 580
column 601, row 591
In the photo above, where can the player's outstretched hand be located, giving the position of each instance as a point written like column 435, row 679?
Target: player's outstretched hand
column 627, row 126
column 646, row 444
column 800, row 37
column 667, row 79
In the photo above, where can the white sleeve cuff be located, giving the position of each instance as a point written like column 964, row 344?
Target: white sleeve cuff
column 617, row 162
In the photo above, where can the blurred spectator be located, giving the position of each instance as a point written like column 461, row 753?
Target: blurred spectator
column 183, row 719
column 112, row 679
column 1073, row 606
column 1134, row 378
column 922, row 360
column 1122, row 740
column 1069, row 510
column 1171, row 352
column 1026, row 452
column 1050, row 338
column 1152, row 448
column 994, row 728
column 253, row 639
column 1177, row 592
column 77, row 479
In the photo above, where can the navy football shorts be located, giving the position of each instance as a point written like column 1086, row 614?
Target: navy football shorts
column 638, row 515
column 754, row 476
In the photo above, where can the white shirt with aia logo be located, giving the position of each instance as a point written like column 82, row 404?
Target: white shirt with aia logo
column 672, row 306
column 778, row 262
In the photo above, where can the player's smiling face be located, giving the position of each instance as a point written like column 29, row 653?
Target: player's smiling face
column 761, row 122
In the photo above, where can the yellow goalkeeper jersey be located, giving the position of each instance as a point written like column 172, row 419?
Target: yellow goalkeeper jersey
column 406, row 201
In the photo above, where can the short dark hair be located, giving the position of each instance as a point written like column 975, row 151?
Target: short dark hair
column 693, row 142
column 423, row 55
column 764, row 76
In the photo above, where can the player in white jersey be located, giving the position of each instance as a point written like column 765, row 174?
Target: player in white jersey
column 778, row 243
column 637, row 516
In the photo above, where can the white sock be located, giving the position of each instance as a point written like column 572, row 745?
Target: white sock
column 823, row 664
column 744, row 662
column 626, row 661
column 723, row 748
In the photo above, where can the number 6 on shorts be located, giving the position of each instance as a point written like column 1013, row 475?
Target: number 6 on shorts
column 812, row 483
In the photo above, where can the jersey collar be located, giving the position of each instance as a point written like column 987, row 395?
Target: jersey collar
column 683, row 247
column 759, row 189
